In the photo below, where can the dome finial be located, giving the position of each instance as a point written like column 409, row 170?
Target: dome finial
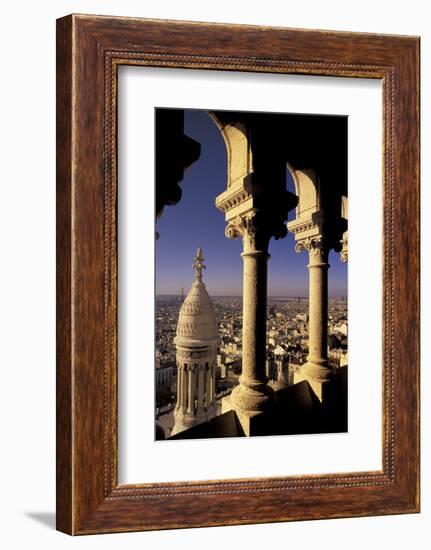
column 199, row 264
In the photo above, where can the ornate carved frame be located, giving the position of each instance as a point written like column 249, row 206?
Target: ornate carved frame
column 89, row 51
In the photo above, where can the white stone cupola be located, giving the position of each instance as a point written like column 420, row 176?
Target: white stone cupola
column 196, row 344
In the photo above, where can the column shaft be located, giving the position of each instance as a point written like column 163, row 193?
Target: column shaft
column 252, row 394
column 318, row 313
column 213, row 393
column 208, row 385
column 317, row 360
column 179, row 387
column 254, row 318
column 184, row 387
column 191, row 397
column 200, row 389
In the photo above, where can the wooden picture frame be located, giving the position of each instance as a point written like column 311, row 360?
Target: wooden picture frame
column 89, row 51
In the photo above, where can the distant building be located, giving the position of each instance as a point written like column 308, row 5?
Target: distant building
column 294, row 369
column 164, row 376
column 302, row 317
column 343, row 328
column 163, row 379
column 223, row 372
column 338, row 357
column 334, row 342
column 281, row 358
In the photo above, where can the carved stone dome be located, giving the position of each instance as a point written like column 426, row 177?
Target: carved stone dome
column 197, row 325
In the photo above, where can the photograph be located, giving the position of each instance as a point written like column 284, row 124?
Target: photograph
column 251, row 293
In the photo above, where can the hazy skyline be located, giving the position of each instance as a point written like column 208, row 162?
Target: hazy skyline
column 196, row 222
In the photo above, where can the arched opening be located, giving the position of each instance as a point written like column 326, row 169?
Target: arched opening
column 195, row 221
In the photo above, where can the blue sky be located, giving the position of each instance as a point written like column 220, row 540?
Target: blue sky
column 195, row 221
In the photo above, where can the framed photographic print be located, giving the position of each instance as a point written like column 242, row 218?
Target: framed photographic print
column 237, row 274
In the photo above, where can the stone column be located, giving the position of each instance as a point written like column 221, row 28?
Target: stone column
column 213, row 392
column 201, row 388
column 255, row 205
column 191, row 400
column 317, row 360
column 315, row 236
column 252, row 394
column 208, row 385
column 184, row 389
column 179, row 388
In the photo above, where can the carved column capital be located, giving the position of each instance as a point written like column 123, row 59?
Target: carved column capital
column 256, row 230
column 317, row 248
column 344, row 252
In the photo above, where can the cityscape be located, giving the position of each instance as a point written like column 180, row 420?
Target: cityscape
column 287, row 345
column 258, row 346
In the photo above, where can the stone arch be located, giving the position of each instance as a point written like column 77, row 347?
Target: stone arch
column 307, row 191
column 239, row 153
